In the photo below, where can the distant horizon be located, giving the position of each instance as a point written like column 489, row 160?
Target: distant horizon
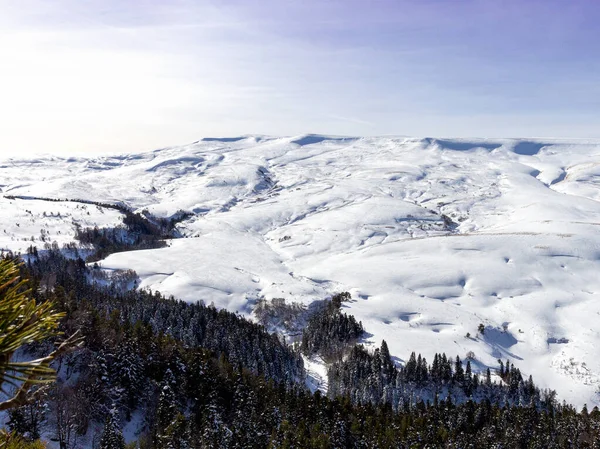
column 223, row 139
column 112, row 76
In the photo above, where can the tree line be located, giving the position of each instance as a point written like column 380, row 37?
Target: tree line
column 196, row 377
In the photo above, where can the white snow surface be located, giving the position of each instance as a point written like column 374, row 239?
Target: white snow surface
column 37, row 223
column 308, row 216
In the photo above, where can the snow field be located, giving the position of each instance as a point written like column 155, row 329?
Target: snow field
column 432, row 237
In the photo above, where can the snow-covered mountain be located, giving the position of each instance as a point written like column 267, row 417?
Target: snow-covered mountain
column 432, row 237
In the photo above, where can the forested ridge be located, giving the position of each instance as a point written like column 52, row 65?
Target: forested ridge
column 193, row 376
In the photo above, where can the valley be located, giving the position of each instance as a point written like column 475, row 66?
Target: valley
column 433, row 238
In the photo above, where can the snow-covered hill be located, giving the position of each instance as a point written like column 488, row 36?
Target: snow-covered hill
column 432, row 237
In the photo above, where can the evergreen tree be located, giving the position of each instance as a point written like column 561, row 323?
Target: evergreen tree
column 459, row 374
column 128, row 368
column 23, row 321
column 166, row 411
column 112, row 438
column 468, row 381
column 385, row 352
column 410, row 369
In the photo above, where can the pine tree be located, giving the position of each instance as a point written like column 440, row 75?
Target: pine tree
column 446, row 368
column 385, row 352
column 177, row 435
column 459, row 374
column 127, row 368
column 166, row 410
column 23, row 321
column 112, row 438
column 468, row 382
column 411, row 368
column 215, row 433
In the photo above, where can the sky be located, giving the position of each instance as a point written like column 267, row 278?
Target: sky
column 96, row 76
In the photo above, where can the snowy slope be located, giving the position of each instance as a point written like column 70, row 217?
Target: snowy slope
column 431, row 236
column 38, row 223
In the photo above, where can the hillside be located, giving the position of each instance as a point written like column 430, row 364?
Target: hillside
column 432, row 237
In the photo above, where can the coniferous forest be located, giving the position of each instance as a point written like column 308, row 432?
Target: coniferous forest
column 192, row 376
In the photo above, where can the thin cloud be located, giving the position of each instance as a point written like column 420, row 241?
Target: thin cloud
column 101, row 75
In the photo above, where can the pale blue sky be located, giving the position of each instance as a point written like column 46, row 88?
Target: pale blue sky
column 108, row 75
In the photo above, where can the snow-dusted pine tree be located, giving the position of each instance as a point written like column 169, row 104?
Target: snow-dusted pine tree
column 112, row 437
